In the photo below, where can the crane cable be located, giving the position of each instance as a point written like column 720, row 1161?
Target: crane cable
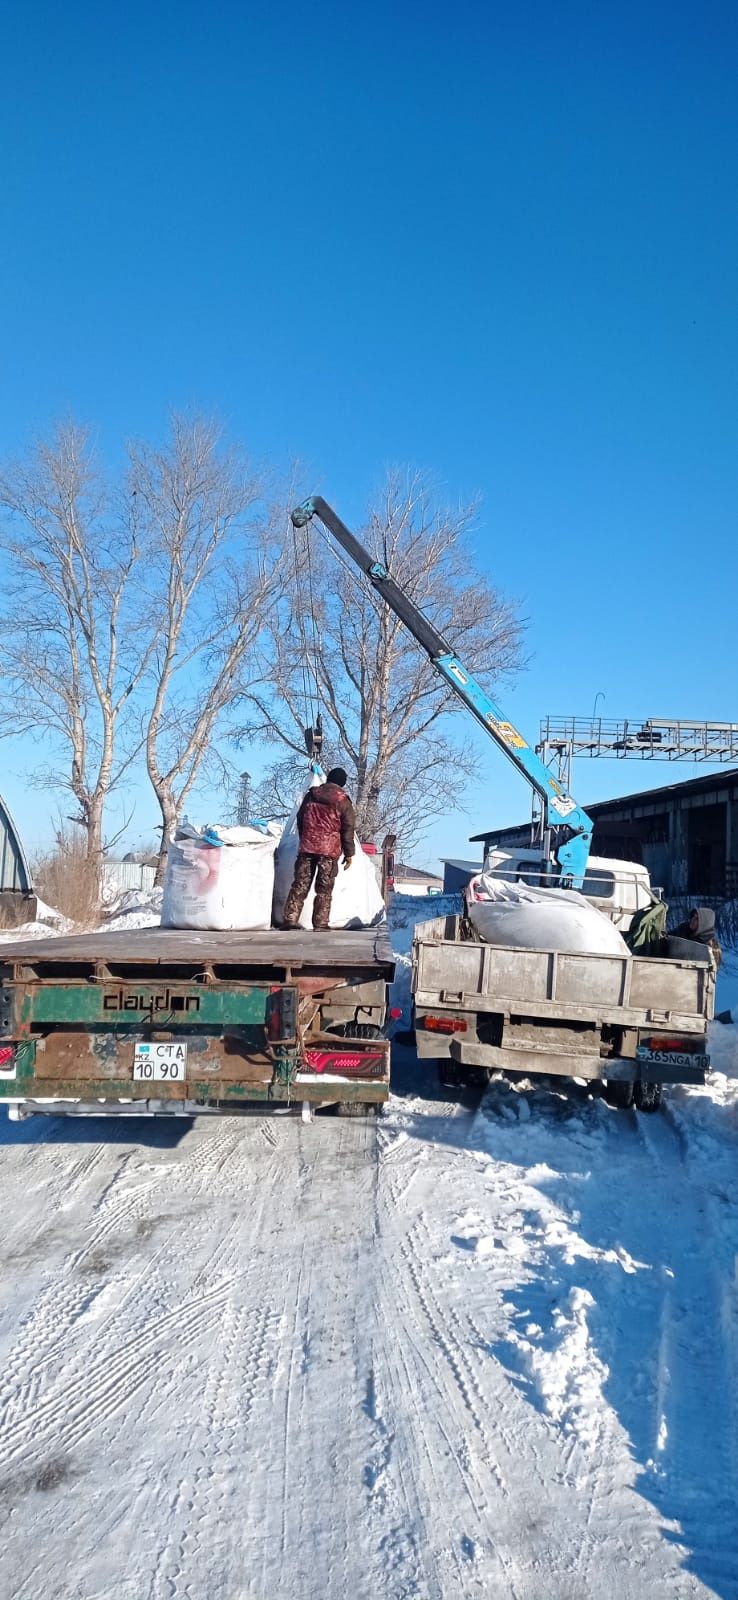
column 307, row 662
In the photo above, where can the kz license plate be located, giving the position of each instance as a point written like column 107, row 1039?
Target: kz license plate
column 157, row 1063
column 674, row 1058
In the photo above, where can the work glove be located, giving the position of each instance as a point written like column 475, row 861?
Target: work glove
column 347, row 862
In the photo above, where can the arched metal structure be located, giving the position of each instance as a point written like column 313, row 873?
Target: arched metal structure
column 15, row 873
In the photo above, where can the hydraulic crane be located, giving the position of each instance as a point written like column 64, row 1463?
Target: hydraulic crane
column 566, row 828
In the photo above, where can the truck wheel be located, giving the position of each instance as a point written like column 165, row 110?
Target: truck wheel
column 358, row 1108
column 619, row 1094
column 450, row 1074
column 647, row 1096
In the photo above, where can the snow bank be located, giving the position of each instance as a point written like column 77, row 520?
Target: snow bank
column 135, row 908
column 405, row 912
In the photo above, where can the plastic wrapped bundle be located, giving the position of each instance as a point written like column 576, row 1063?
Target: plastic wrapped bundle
column 516, row 915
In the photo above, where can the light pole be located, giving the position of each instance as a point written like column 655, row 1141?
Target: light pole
column 600, row 695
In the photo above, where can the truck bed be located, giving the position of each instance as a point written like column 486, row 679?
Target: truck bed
column 176, row 951
column 602, row 989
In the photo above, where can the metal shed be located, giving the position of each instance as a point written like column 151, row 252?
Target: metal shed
column 15, row 873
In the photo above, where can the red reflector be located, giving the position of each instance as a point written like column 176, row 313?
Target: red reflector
column 347, row 1063
column 445, row 1024
column 685, row 1046
column 396, row 1013
column 6, row 1054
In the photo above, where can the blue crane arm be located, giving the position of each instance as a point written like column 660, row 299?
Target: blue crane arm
column 560, row 810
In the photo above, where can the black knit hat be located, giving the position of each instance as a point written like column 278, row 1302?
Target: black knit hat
column 337, row 776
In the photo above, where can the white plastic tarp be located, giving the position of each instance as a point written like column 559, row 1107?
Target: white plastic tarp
column 220, row 885
column 524, row 918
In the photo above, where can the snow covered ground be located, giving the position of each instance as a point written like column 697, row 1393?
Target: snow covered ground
column 479, row 1349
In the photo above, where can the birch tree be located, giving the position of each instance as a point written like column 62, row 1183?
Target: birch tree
column 335, row 646
column 72, row 647
column 214, row 576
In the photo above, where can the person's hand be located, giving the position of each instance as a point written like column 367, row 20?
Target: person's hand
column 347, row 862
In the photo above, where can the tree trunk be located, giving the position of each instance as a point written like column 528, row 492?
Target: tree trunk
column 169, row 820
column 95, row 843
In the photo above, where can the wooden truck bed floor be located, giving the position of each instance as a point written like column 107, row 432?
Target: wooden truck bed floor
column 156, row 949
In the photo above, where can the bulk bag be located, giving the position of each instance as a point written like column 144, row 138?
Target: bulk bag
column 220, row 879
column 517, row 915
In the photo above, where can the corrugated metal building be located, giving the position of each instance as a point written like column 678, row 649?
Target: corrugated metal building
column 15, row 873
column 685, row 833
column 117, row 876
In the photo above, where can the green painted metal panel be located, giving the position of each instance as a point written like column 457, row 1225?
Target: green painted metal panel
column 149, row 1005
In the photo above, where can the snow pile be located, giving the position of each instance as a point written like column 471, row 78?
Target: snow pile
column 46, row 922
column 405, row 912
column 135, row 908
column 30, row 930
column 568, row 1376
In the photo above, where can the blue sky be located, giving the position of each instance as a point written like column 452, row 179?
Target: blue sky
column 497, row 241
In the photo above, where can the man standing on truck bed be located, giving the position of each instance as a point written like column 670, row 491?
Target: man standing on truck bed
column 325, row 823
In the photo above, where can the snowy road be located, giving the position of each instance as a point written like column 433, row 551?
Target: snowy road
column 473, row 1350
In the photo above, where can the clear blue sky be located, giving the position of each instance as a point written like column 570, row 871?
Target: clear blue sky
column 497, row 241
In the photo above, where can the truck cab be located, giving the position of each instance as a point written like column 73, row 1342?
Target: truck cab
column 617, row 888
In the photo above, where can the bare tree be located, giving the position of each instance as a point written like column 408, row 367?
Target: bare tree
column 71, row 646
column 335, row 646
column 214, row 575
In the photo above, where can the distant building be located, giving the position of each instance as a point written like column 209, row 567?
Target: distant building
column 412, row 880
column 118, row 876
column 15, row 873
column 685, row 833
column 456, row 874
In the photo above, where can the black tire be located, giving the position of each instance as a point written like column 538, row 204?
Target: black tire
column 450, row 1074
column 358, row 1108
column 647, row 1096
column 619, row 1094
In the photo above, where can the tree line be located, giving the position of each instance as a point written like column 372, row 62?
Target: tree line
column 169, row 618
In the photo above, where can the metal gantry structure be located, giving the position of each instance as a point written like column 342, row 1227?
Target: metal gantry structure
column 646, row 739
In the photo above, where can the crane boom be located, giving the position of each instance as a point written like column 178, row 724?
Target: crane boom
column 560, row 810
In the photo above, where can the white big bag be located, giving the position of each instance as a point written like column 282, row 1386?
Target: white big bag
column 539, row 919
column 225, row 884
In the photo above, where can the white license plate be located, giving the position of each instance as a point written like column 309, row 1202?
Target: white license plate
column 674, row 1058
column 160, row 1063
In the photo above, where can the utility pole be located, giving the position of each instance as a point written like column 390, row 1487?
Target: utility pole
column 244, row 800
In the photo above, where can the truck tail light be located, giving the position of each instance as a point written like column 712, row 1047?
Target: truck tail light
column 444, row 1024
column 7, row 1052
column 688, row 1046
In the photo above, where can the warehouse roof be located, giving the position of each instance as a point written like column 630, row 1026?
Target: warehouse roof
column 720, row 779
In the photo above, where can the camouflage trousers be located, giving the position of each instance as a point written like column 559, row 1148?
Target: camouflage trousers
column 324, row 869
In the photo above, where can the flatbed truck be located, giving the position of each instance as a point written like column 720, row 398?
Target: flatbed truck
column 158, row 1020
